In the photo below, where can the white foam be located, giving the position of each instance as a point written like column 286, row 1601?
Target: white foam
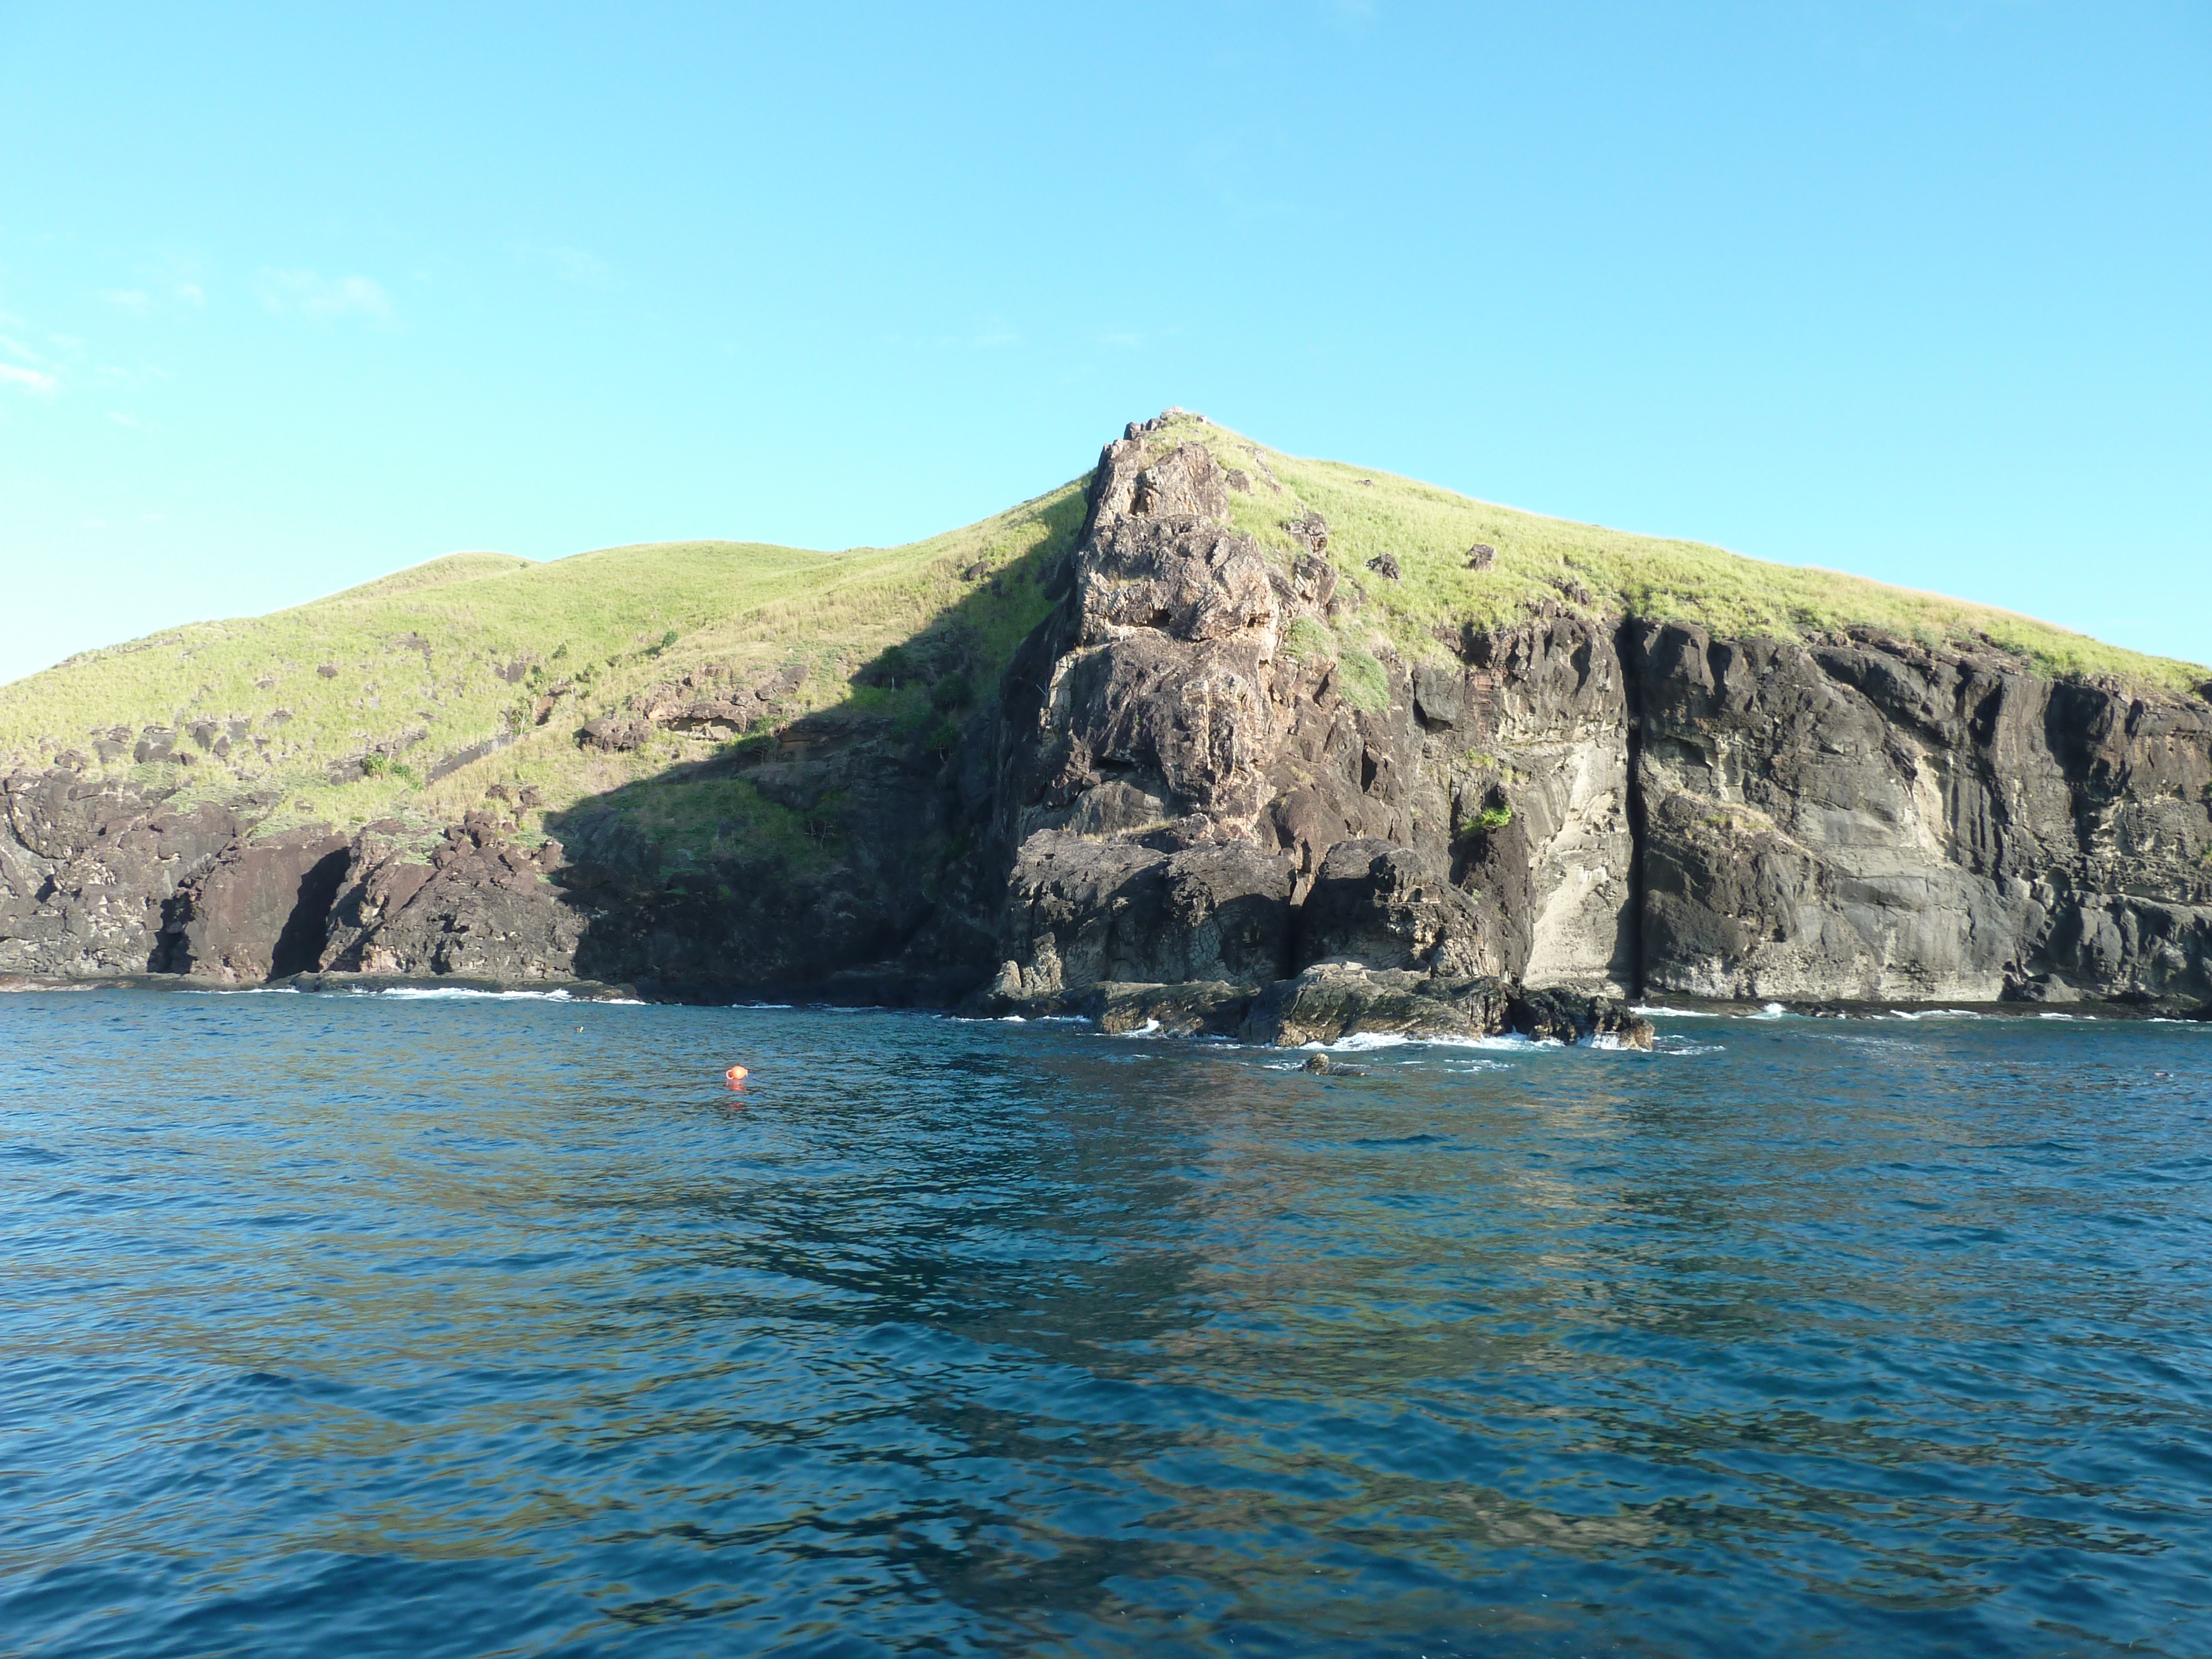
column 441, row 992
column 1361, row 1041
column 1652, row 1009
column 1151, row 1027
column 1933, row 1013
column 458, row 992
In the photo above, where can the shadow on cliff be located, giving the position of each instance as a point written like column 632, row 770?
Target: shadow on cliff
column 839, row 853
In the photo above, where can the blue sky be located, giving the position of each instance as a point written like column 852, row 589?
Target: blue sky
column 290, row 297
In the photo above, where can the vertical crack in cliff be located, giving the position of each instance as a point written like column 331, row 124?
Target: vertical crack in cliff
column 1632, row 691
column 299, row 947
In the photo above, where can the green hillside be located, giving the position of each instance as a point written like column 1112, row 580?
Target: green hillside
column 341, row 709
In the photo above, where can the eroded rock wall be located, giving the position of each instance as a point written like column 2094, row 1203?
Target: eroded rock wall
column 88, row 871
column 1869, row 819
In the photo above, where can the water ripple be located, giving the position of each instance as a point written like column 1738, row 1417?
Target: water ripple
column 466, row 1326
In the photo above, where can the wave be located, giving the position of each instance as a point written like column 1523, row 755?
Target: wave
column 460, row 993
column 1362, row 1042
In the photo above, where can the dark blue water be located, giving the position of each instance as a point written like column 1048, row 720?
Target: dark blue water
column 360, row 1325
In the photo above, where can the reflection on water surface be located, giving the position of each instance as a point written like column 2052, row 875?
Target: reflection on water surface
column 457, row 1327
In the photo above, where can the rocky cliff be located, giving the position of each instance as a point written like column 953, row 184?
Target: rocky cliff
column 1208, row 793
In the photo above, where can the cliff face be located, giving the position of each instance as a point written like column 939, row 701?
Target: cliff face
column 1204, row 769
column 1869, row 819
column 1615, row 807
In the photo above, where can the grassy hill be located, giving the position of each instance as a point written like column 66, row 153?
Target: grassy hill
column 411, row 673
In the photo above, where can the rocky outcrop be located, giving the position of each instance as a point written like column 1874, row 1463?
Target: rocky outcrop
column 1161, row 720
column 1208, row 797
column 474, row 903
column 257, row 911
column 1866, row 818
column 88, row 871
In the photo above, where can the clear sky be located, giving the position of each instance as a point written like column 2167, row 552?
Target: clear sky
column 293, row 296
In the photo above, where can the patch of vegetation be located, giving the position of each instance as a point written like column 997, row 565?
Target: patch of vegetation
column 1491, row 818
column 1360, row 680
column 1306, row 639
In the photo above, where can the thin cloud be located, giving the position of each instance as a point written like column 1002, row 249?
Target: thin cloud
column 136, row 301
column 307, row 294
column 30, row 379
column 568, row 264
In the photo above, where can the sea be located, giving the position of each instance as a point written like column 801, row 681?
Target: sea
column 450, row 1324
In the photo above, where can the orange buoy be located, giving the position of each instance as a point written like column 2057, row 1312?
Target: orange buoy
column 736, row 1074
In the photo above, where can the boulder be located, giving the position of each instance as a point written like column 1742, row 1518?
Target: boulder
column 1205, row 1008
column 1323, row 1066
column 1331, row 1000
column 1566, row 1017
column 1439, row 694
column 615, row 733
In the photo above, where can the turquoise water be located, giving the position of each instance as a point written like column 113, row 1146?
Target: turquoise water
column 458, row 1325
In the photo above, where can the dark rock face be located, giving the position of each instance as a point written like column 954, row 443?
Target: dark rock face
column 1155, row 717
column 1587, row 808
column 1089, row 912
column 257, row 911
column 476, row 905
column 1387, row 906
column 87, row 870
column 1170, row 814
column 1873, row 820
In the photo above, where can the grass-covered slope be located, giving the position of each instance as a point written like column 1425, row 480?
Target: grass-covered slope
column 412, row 672
column 1429, row 531
column 418, row 668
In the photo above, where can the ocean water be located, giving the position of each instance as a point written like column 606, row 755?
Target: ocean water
column 446, row 1326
